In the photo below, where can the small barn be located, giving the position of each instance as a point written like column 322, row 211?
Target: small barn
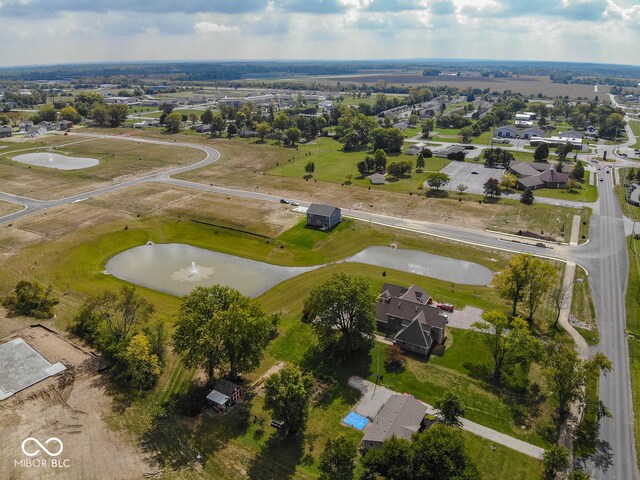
column 5, row 131
column 323, row 217
column 377, row 179
column 224, row 395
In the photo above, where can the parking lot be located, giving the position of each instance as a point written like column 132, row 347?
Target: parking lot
column 461, row 172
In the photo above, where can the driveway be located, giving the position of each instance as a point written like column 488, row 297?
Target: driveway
column 460, row 172
column 464, row 318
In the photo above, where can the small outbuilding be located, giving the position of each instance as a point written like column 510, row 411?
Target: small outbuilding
column 5, row 131
column 377, row 179
column 224, row 395
column 323, row 217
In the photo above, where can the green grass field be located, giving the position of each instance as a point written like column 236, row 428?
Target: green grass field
column 633, row 329
column 635, row 126
column 582, row 307
column 333, row 165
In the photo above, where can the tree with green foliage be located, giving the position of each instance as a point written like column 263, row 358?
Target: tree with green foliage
column 563, row 151
column 218, row 124
column 85, row 102
column 497, row 157
column 451, row 409
column 567, row 373
column 509, row 342
column 173, row 122
column 232, row 129
column 527, row 197
column 46, row 113
column 138, row 367
column 508, row 181
column 282, row 121
column 420, row 163
column 438, row 453
column 438, row 179
column 309, row 168
column 292, row 135
column 121, row 313
column 100, row 115
column 578, row 474
column 398, row 169
column 287, row 396
column 69, row 113
column 337, row 460
column 218, row 327
column 207, row 117
column 31, row 299
column 342, row 312
column 540, row 277
column 117, row 114
column 380, row 160
column 541, row 153
column 362, row 168
column 511, row 282
column 427, row 127
column 263, row 129
column 492, row 188
column 556, row 462
column 578, row 171
column 465, row 134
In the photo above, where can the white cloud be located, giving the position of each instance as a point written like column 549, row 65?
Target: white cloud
column 204, row 28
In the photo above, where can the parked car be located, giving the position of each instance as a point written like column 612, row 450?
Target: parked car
column 277, row 424
column 447, row 307
column 295, row 204
column 601, row 179
column 500, row 140
column 282, row 200
column 473, row 172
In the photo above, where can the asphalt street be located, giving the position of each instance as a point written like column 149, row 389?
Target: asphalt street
column 604, row 257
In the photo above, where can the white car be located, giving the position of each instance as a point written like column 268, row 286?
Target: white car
column 500, row 140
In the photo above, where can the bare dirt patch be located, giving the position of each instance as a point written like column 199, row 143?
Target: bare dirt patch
column 68, row 406
column 6, row 208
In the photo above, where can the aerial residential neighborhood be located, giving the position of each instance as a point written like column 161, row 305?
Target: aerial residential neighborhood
column 341, row 240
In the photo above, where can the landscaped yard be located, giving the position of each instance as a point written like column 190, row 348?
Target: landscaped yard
column 586, row 193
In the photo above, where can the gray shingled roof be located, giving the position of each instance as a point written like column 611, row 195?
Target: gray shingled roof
column 523, row 169
column 225, row 387
column 322, row 210
column 407, row 308
column 414, row 334
column 551, row 176
column 532, row 181
column 401, row 416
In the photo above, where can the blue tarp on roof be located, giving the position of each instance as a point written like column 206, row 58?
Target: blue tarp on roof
column 356, row 421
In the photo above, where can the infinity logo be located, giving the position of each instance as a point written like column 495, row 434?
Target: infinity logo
column 37, row 451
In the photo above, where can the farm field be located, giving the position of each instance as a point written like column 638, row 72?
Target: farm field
column 119, row 161
column 526, row 85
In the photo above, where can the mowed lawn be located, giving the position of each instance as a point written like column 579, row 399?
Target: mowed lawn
column 332, row 164
column 234, row 446
column 585, row 193
column 118, row 159
column 635, row 127
column 633, row 329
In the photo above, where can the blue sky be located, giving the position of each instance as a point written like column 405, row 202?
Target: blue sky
column 62, row 31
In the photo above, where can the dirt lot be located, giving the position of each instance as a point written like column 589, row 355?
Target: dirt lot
column 68, row 406
column 6, row 208
column 119, row 161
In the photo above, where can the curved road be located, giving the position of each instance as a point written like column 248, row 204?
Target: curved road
column 604, row 257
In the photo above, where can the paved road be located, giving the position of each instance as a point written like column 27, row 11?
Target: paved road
column 604, row 257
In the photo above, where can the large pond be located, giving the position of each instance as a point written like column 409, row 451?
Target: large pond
column 55, row 160
column 177, row 269
column 426, row 264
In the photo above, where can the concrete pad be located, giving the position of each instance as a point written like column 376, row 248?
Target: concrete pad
column 21, row 366
column 464, row 318
column 575, row 230
column 460, row 172
column 373, row 397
